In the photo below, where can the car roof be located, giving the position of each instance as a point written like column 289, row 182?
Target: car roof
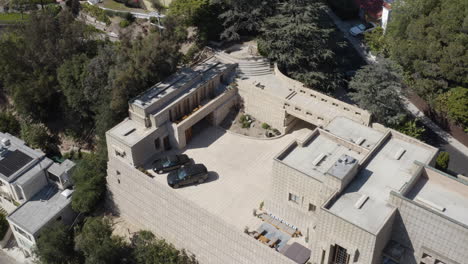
column 195, row 168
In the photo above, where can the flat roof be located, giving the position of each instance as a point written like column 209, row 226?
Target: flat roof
column 38, row 211
column 130, row 131
column 442, row 193
column 307, row 159
column 354, row 132
column 383, row 174
column 181, row 79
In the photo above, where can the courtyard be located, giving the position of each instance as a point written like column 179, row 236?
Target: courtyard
column 240, row 170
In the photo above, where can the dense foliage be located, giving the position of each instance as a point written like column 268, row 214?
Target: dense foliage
column 55, row 244
column 428, row 40
column 97, row 243
column 377, row 89
column 454, row 104
column 149, row 250
column 442, row 161
column 94, row 243
column 3, row 225
column 9, row 124
column 298, row 38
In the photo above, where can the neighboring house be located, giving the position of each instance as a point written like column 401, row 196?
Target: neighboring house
column 358, row 192
column 375, row 10
column 33, row 189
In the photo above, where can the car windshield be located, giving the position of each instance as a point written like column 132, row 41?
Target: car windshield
column 362, row 27
column 182, row 174
column 169, row 161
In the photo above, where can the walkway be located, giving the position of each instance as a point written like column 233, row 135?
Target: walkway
column 458, row 152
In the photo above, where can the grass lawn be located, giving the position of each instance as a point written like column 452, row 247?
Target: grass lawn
column 11, row 18
column 119, row 6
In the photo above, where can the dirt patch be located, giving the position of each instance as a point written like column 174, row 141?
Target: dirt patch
column 242, row 123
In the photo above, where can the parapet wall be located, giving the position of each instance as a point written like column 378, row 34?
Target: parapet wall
column 350, row 111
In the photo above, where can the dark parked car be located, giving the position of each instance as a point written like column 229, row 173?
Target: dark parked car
column 170, row 163
column 189, row 174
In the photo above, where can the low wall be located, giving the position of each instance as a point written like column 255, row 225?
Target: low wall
column 150, row 205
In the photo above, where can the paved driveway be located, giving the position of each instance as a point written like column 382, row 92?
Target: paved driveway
column 240, row 173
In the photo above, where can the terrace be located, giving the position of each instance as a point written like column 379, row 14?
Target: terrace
column 240, row 170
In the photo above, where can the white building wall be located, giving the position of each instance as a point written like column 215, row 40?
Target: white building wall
column 418, row 228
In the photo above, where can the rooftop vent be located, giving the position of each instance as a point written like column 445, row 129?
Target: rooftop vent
column 318, row 159
column 5, row 142
column 360, row 140
column 67, row 193
column 431, row 204
column 361, row 201
column 400, row 153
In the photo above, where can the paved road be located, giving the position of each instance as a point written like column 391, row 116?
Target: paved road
column 458, row 152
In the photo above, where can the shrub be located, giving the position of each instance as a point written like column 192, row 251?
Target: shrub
column 442, row 161
column 9, row 124
column 277, row 132
column 375, row 39
column 412, row 128
column 96, row 12
column 124, row 23
column 265, row 126
column 3, row 225
column 129, row 17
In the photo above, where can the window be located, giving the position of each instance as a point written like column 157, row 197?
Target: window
column 293, row 198
column 157, row 144
column 118, row 180
column 59, row 218
column 19, row 230
column 312, row 208
column 54, row 178
column 120, row 153
column 322, row 261
column 117, row 172
column 341, row 255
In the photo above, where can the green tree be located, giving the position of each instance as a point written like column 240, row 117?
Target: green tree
column 454, row 104
column 37, row 135
column 3, row 225
column 412, row 129
column 375, row 39
column 245, row 16
column 149, row 250
column 9, row 124
column 55, row 244
column 377, row 89
column 187, row 10
column 427, row 39
column 298, row 39
column 97, row 244
column 89, row 178
column 442, row 161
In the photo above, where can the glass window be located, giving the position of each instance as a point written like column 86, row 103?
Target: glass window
column 182, row 174
column 312, row 208
column 293, row 198
column 157, row 143
column 54, row 178
column 19, row 230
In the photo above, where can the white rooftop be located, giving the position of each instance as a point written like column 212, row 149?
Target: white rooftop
column 317, row 156
column 130, row 131
column 383, row 174
column 40, row 209
column 349, row 130
column 443, row 194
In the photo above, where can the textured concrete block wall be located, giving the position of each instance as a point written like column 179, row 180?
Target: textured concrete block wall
column 416, row 227
column 263, row 106
column 333, row 230
column 287, row 180
column 153, row 206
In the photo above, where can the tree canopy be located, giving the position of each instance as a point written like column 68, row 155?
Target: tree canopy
column 428, row 40
column 55, row 244
column 298, row 38
column 377, row 89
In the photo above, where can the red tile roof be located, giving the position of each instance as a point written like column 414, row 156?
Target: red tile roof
column 372, row 8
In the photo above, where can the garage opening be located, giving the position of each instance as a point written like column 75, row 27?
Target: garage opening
column 196, row 129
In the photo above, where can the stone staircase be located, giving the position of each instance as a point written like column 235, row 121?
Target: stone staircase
column 253, row 66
